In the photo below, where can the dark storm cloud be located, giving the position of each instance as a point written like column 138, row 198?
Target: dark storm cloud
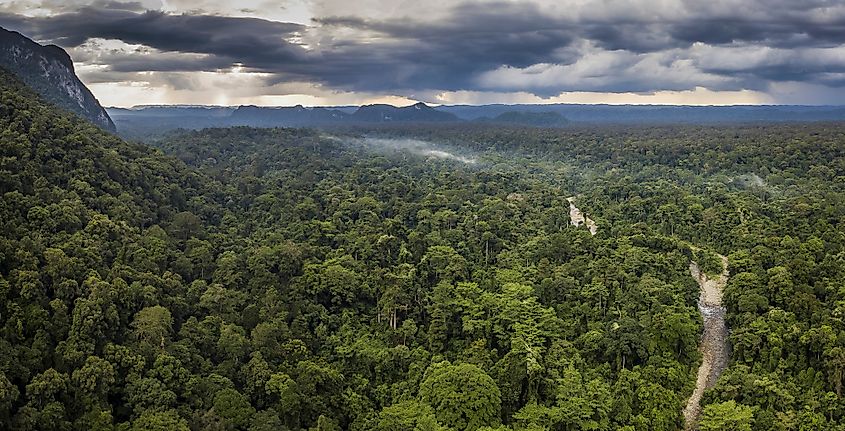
column 780, row 33
column 634, row 37
column 142, row 63
column 452, row 53
column 249, row 39
column 445, row 56
column 809, row 66
column 449, row 54
column 479, row 37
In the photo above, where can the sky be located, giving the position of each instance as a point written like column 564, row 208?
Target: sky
column 346, row 52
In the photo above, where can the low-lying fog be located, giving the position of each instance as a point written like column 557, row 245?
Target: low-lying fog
column 413, row 146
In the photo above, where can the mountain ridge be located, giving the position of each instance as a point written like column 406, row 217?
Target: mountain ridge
column 145, row 121
column 49, row 71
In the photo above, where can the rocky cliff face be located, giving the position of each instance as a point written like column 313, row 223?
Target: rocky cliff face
column 49, row 71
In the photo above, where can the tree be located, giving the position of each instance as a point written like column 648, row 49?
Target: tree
column 463, row 396
column 234, row 408
column 221, row 301
column 256, row 373
column 46, row 387
column 233, row 343
column 167, row 420
column 835, row 362
column 781, row 287
column 282, row 391
column 152, row 326
column 407, row 415
column 726, row 416
column 676, row 331
column 185, row 225
column 95, row 320
column 407, row 330
column 94, row 380
column 149, row 394
column 8, row 395
column 170, row 371
column 201, row 255
column 95, row 419
column 266, row 420
column 325, row 423
column 229, row 271
column 625, row 342
column 444, row 263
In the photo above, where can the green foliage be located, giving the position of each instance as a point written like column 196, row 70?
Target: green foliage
column 708, row 262
column 408, row 415
column 284, row 279
column 159, row 421
column 726, row 416
column 233, row 408
column 152, row 326
column 463, row 396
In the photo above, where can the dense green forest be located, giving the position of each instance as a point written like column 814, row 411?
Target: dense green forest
column 414, row 278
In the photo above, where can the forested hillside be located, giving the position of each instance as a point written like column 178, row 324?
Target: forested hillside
column 414, row 277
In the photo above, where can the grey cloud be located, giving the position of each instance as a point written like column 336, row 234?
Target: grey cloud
column 822, row 65
column 450, row 54
column 247, row 39
column 479, row 36
column 457, row 52
column 160, row 63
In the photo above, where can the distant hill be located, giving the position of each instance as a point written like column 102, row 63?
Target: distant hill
column 659, row 114
column 538, row 119
column 419, row 112
column 145, row 121
column 289, row 116
column 48, row 70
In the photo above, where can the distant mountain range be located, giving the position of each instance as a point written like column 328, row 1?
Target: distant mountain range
column 660, row 114
column 48, row 70
column 143, row 120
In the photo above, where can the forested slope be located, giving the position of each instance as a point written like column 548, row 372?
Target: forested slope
column 265, row 279
column 771, row 198
column 322, row 287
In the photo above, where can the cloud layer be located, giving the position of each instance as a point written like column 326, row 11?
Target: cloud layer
column 421, row 50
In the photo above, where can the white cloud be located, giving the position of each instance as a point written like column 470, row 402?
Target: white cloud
column 607, row 71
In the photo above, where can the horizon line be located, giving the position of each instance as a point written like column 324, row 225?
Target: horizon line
column 436, row 105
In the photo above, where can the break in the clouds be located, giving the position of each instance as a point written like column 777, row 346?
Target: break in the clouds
column 331, row 51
